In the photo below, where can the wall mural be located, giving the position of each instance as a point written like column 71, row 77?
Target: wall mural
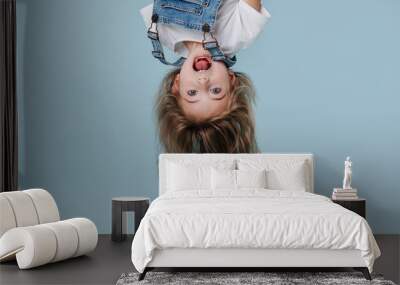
column 203, row 105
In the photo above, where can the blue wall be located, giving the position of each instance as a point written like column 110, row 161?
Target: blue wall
column 328, row 81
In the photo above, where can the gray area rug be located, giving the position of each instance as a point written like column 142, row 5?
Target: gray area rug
column 269, row 278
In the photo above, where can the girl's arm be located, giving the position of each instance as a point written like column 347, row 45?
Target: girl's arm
column 256, row 4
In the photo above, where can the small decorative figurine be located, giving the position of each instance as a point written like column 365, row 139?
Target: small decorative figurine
column 347, row 174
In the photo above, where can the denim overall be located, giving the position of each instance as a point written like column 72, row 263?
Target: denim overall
column 197, row 15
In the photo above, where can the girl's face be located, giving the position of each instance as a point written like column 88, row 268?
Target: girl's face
column 203, row 85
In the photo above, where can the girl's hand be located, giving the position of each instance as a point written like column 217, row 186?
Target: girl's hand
column 256, row 4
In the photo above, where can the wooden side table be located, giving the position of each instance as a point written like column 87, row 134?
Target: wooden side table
column 121, row 205
column 356, row 205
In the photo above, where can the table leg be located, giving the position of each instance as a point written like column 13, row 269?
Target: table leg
column 118, row 222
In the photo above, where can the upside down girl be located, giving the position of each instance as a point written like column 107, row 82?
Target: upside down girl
column 203, row 105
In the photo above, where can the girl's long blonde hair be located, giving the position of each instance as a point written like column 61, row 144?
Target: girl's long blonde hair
column 231, row 132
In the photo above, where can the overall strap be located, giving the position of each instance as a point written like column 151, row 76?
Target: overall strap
column 211, row 45
column 158, row 51
column 213, row 48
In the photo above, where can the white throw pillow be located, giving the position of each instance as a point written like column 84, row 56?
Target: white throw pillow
column 251, row 178
column 285, row 174
column 237, row 179
column 182, row 178
column 223, row 179
column 188, row 174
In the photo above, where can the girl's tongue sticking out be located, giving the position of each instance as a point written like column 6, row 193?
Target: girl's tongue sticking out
column 202, row 63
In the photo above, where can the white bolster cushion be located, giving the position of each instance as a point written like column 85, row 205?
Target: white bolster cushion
column 32, row 246
column 24, row 211
column 26, row 208
column 40, row 244
column 46, row 207
column 7, row 218
column 87, row 234
column 67, row 240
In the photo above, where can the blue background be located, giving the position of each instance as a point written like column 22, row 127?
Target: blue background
column 327, row 75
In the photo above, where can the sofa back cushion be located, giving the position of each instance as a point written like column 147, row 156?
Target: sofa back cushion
column 26, row 208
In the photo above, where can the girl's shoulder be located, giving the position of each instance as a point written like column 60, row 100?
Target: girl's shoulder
column 239, row 24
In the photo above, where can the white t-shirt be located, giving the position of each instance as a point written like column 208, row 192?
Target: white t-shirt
column 237, row 26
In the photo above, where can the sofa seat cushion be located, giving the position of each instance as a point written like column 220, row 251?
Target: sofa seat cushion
column 45, row 243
